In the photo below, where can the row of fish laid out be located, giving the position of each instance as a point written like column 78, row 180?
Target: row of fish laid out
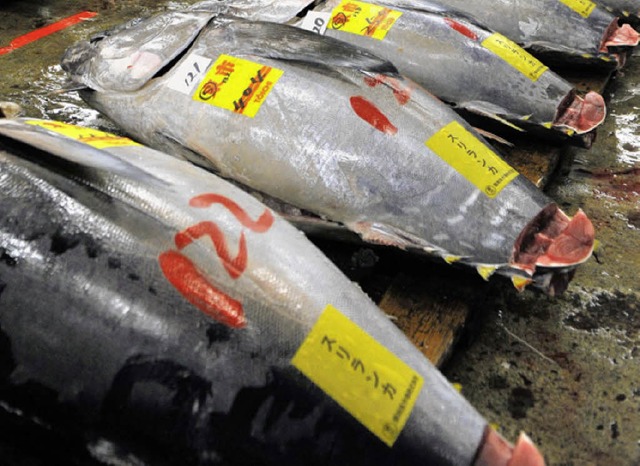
column 331, row 129
column 165, row 316
column 474, row 63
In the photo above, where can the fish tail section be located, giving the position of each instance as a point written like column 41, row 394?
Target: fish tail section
column 554, row 241
column 581, row 114
column 619, row 36
column 496, row 451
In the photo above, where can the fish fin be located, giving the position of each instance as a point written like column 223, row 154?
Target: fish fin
column 73, row 158
column 288, row 43
column 125, row 58
column 489, row 110
column 493, row 137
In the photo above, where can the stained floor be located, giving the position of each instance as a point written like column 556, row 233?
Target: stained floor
column 566, row 369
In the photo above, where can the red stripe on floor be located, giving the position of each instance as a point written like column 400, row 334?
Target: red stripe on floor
column 32, row 36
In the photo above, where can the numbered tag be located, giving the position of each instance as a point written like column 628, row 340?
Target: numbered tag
column 316, row 22
column 189, row 74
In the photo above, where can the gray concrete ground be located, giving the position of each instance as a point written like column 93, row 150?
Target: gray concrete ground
column 565, row 369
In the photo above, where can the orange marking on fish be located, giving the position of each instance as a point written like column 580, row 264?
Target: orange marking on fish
column 372, row 115
column 234, row 266
column 401, row 93
column 264, row 222
column 461, row 28
column 195, row 287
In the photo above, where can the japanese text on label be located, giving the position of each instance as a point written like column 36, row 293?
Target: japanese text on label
column 363, row 19
column 472, row 159
column 359, row 373
column 89, row 136
column 582, row 7
column 515, row 55
column 238, row 85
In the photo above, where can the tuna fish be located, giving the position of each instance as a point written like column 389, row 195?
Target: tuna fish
column 163, row 316
column 564, row 31
column 461, row 62
column 333, row 130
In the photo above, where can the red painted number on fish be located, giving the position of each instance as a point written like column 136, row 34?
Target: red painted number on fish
column 191, row 282
column 461, row 28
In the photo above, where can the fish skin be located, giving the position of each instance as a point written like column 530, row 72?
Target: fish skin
column 623, row 7
column 102, row 346
column 426, row 48
column 548, row 27
column 385, row 187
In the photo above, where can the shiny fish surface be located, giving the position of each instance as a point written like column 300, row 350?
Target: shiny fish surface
column 331, row 129
column 565, row 30
column 464, row 63
column 160, row 314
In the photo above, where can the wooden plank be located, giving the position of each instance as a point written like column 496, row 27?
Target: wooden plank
column 432, row 322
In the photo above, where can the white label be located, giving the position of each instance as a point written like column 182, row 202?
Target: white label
column 189, row 74
column 316, row 22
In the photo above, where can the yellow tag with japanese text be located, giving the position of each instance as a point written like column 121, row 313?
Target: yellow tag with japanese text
column 236, row 84
column 515, row 55
column 361, row 375
column 89, row 136
column 582, row 7
column 363, row 19
column 473, row 159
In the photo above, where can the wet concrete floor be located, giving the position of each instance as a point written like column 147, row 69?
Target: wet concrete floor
column 565, row 369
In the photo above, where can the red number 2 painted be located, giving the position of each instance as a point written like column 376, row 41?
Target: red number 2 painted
column 191, row 282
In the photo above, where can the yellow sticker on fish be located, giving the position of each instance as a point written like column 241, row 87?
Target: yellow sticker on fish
column 89, row 136
column 582, row 7
column 363, row 19
column 515, row 55
column 237, row 84
column 472, row 158
column 361, row 375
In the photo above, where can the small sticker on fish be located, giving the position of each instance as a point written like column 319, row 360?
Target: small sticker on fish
column 365, row 378
column 363, row 19
column 316, row 22
column 89, row 136
column 515, row 56
column 189, row 74
column 236, row 84
column 473, row 159
column 583, row 7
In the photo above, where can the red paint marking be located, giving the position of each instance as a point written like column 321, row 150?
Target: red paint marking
column 372, row 115
column 261, row 225
column 401, row 93
column 234, row 266
column 32, row 36
column 195, row 287
column 461, row 28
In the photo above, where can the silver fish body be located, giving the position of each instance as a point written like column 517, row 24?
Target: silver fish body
column 471, row 67
column 564, row 30
column 130, row 316
column 340, row 134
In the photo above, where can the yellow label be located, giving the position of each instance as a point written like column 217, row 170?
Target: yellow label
column 236, row 84
column 582, row 7
column 91, row 137
column 472, row 159
column 515, row 55
column 363, row 19
column 361, row 375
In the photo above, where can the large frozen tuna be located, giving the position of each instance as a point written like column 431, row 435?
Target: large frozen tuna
column 461, row 62
column 333, row 130
column 166, row 317
column 564, row 30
